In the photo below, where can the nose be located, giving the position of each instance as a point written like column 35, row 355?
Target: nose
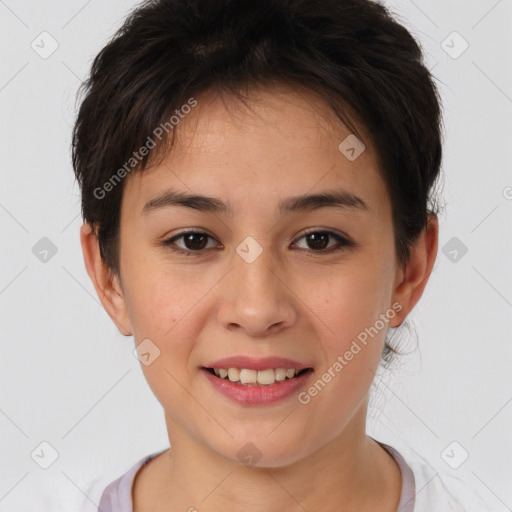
column 256, row 299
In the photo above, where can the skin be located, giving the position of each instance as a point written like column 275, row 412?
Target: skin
column 307, row 307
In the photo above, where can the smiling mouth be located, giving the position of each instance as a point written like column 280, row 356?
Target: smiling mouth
column 267, row 377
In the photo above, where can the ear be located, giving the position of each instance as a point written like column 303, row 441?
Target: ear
column 412, row 279
column 106, row 283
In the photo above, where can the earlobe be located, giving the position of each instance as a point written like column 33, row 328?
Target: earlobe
column 413, row 278
column 105, row 282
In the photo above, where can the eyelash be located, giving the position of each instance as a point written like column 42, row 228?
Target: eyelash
column 341, row 240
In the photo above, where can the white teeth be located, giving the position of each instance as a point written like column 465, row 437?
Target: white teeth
column 280, row 374
column 248, row 376
column 266, row 377
column 233, row 374
column 263, row 377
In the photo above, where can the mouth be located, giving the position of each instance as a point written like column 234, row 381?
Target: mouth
column 257, row 381
column 257, row 378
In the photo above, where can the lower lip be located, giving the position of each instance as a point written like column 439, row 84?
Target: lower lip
column 255, row 394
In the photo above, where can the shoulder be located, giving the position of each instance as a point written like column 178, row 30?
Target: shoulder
column 436, row 490
column 117, row 496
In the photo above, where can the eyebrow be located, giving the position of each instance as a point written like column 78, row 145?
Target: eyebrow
column 332, row 198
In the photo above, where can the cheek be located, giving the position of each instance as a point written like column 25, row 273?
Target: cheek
column 352, row 299
column 161, row 300
column 355, row 313
column 352, row 333
column 163, row 309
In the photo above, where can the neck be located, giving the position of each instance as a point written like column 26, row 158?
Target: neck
column 350, row 473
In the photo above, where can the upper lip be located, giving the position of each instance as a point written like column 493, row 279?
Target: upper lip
column 252, row 363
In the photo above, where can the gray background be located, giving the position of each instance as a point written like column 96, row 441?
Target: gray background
column 68, row 378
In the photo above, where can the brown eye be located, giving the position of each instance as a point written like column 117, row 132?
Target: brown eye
column 193, row 241
column 318, row 241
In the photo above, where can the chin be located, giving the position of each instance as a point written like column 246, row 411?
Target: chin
column 261, row 452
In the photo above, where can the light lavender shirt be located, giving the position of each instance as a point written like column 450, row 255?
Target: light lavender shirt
column 117, row 497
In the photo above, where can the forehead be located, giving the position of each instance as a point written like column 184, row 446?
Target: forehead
column 281, row 143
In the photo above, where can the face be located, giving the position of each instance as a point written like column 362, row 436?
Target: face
column 257, row 281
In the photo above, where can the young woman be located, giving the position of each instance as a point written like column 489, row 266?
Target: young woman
column 256, row 188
